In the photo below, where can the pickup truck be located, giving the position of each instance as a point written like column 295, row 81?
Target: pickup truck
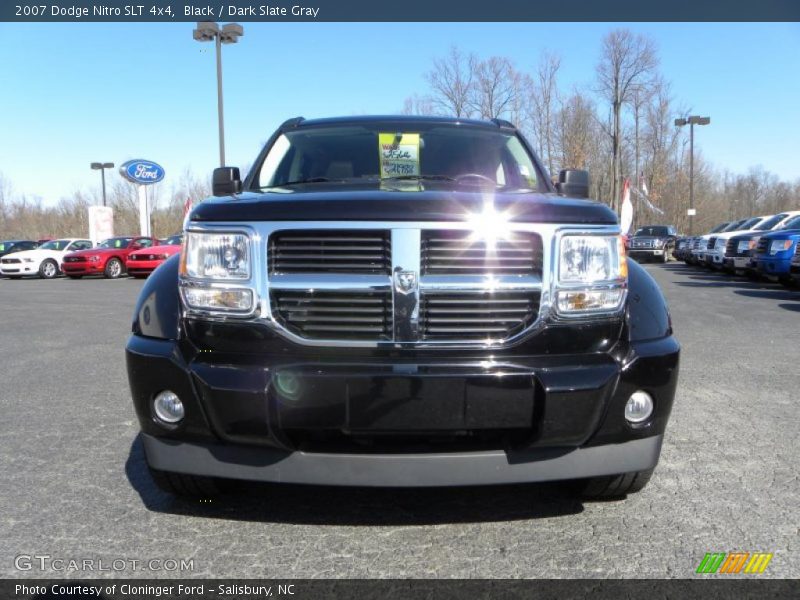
column 653, row 242
column 401, row 301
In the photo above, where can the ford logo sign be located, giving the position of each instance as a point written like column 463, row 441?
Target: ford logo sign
column 143, row 172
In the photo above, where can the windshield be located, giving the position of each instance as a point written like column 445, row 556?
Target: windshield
column 793, row 223
column 175, row 240
column 117, row 242
column 719, row 228
column 771, row 222
column 657, row 230
column 750, row 223
column 6, row 246
column 55, row 245
column 377, row 151
column 735, row 226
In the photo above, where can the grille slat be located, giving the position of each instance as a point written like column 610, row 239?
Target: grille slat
column 330, row 251
column 497, row 315
column 448, row 252
column 354, row 316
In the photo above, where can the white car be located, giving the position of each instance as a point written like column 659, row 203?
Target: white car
column 715, row 254
column 44, row 261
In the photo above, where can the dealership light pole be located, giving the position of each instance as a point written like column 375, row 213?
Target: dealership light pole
column 692, row 121
column 102, row 168
column 228, row 34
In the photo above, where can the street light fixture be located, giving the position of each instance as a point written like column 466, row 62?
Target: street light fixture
column 228, row 34
column 102, row 168
column 691, row 122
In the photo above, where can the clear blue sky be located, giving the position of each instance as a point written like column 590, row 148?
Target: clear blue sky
column 75, row 93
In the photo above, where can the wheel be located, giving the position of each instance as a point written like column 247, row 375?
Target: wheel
column 615, row 486
column 74, row 276
column 186, row 486
column 48, row 269
column 113, row 269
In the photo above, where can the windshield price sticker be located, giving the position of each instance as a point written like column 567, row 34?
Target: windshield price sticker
column 399, row 154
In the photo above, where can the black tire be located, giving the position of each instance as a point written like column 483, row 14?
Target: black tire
column 114, row 269
column 48, row 269
column 74, row 276
column 186, row 486
column 614, row 486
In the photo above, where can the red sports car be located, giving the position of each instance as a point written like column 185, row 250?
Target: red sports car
column 107, row 259
column 143, row 262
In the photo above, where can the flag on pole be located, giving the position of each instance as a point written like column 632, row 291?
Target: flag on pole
column 626, row 212
column 187, row 206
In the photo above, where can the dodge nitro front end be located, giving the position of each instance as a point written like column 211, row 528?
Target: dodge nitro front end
column 390, row 301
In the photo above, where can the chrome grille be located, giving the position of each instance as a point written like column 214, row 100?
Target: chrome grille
column 330, row 251
column 11, row 261
column 74, row 259
column 340, row 315
column 763, row 246
column 491, row 315
column 459, row 253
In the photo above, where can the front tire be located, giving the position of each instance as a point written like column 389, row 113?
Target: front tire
column 113, row 269
column 48, row 269
column 614, row 486
column 185, row 486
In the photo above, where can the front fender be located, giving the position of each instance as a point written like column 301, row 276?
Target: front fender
column 158, row 308
column 646, row 316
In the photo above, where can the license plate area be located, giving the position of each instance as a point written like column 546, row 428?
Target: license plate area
column 404, row 402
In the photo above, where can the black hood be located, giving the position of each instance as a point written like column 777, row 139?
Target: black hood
column 378, row 202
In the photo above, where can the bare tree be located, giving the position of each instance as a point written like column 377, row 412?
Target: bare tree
column 418, row 105
column 544, row 98
column 495, row 89
column 451, row 83
column 626, row 67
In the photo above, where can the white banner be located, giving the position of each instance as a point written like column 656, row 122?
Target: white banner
column 144, row 211
column 101, row 223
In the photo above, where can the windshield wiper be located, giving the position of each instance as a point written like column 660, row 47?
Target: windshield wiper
column 301, row 181
column 419, row 177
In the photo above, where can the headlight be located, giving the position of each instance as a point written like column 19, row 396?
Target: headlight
column 591, row 259
column 216, row 256
column 28, row 260
column 94, row 258
column 592, row 274
column 658, row 243
column 779, row 246
column 215, row 273
column 720, row 243
column 744, row 245
column 222, row 299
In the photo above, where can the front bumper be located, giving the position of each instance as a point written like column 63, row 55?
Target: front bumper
column 84, row 268
column 563, row 416
column 401, row 470
column 778, row 266
column 142, row 267
column 19, row 269
column 646, row 252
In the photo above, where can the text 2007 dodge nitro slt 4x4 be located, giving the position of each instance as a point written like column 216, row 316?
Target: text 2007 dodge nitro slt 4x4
column 395, row 301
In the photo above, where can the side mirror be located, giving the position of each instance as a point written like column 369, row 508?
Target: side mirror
column 573, row 182
column 226, row 181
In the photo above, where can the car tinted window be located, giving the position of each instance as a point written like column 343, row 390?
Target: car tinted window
column 144, row 242
column 793, row 223
column 55, row 245
column 175, row 240
column 353, row 152
column 116, row 242
column 653, row 230
column 771, row 222
column 749, row 223
column 719, row 228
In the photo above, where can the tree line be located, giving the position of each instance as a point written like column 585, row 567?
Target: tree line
column 619, row 126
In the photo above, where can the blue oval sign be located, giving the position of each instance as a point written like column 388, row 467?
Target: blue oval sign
column 143, row 172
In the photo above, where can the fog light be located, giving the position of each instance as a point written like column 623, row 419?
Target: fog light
column 639, row 407
column 168, row 407
column 287, row 384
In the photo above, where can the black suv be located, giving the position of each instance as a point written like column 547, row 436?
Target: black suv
column 653, row 242
column 397, row 301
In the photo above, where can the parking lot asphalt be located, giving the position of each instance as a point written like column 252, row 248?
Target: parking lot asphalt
column 74, row 485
